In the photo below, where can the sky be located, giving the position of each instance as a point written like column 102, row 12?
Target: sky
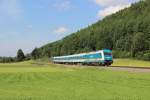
column 26, row 24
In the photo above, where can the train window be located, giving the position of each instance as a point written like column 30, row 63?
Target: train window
column 107, row 54
column 100, row 55
column 97, row 55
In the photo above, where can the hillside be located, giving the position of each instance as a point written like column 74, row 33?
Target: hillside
column 127, row 33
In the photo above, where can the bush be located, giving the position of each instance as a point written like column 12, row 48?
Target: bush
column 143, row 55
column 121, row 54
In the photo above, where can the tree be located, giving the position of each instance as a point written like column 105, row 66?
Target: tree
column 35, row 54
column 139, row 43
column 20, row 55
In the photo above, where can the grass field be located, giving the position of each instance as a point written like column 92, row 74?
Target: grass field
column 131, row 62
column 31, row 81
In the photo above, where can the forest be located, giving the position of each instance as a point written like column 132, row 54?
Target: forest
column 126, row 32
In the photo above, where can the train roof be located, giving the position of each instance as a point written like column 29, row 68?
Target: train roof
column 82, row 54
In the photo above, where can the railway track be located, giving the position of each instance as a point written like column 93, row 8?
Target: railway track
column 119, row 68
column 129, row 68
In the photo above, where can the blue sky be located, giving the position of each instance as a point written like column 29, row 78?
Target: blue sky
column 27, row 24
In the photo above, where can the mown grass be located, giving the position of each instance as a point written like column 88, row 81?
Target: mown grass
column 34, row 81
column 131, row 63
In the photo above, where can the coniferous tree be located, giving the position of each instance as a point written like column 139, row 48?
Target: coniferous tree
column 35, row 54
column 20, row 55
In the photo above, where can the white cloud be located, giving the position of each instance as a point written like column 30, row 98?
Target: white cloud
column 106, row 3
column 109, row 7
column 30, row 26
column 10, row 8
column 63, row 5
column 103, row 2
column 110, row 10
column 61, row 30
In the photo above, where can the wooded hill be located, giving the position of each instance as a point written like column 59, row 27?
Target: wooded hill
column 127, row 33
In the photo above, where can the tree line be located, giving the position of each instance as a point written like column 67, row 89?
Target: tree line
column 20, row 57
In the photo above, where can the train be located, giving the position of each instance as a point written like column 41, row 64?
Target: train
column 100, row 57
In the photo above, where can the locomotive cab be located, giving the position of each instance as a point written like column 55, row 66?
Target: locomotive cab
column 108, row 58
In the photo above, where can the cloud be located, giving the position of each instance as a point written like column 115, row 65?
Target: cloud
column 61, row 30
column 106, row 3
column 108, row 7
column 110, row 10
column 63, row 5
column 29, row 26
column 10, row 8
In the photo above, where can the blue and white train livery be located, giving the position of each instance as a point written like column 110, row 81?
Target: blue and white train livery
column 101, row 57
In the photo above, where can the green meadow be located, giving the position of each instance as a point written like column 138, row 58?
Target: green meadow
column 131, row 63
column 45, row 81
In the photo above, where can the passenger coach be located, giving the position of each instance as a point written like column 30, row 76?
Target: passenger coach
column 101, row 57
